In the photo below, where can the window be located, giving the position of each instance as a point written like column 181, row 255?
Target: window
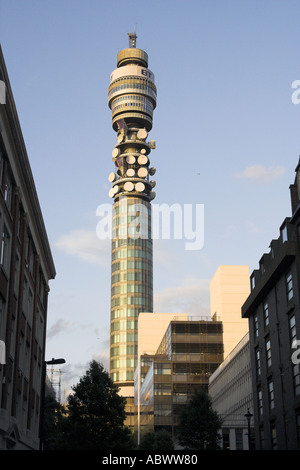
column 289, row 286
column 271, row 394
column 268, row 353
column 266, row 314
column 260, row 401
column 284, row 236
column 8, row 192
column 298, row 429
column 255, row 326
column 257, row 361
column 273, row 436
column 4, row 253
column 295, row 366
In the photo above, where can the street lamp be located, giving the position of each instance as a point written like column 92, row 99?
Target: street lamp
column 248, row 416
column 45, row 363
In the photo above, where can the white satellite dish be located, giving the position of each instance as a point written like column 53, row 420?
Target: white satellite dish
column 142, row 159
column 111, row 177
column 130, row 159
column 142, row 172
column 143, row 151
column 128, row 186
column 116, row 189
column 115, row 152
column 140, row 187
column 111, row 192
column 130, row 172
column 142, row 134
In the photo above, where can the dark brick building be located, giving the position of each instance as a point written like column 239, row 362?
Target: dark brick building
column 26, row 266
column 274, row 327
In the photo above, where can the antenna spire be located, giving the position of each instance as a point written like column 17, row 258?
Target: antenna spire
column 132, row 38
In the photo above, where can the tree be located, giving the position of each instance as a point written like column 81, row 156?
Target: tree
column 52, row 416
column 199, row 424
column 158, row 440
column 96, row 414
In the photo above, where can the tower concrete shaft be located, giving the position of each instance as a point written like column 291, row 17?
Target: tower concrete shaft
column 132, row 99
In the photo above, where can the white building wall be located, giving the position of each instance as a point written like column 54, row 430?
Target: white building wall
column 230, row 388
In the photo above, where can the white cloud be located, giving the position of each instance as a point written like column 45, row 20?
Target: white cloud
column 86, row 245
column 262, row 174
column 191, row 297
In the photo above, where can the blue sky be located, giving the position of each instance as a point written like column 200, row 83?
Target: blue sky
column 224, row 71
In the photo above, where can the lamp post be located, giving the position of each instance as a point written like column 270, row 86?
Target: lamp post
column 45, row 363
column 248, row 416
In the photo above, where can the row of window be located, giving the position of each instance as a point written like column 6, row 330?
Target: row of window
column 131, row 253
column 125, row 312
column 134, row 83
column 127, row 288
column 132, row 264
column 124, row 325
column 141, row 107
column 143, row 301
column 124, row 337
column 141, row 242
column 124, row 350
column 130, row 276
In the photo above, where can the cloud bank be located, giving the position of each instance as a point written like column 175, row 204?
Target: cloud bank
column 261, row 174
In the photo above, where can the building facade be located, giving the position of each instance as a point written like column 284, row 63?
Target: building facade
column 26, row 266
column 189, row 352
column 132, row 99
column 230, row 388
column 274, row 329
column 229, row 288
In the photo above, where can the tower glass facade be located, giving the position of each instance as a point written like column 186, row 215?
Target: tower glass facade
column 132, row 99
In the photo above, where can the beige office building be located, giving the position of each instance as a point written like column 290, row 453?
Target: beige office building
column 229, row 288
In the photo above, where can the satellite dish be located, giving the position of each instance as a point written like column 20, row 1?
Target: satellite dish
column 111, row 177
column 142, row 134
column 140, row 187
column 130, row 159
column 142, row 172
column 130, row 172
column 153, row 183
column 128, row 186
column 111, row 192
column 120, row 138
column 152, row 171
column 115, row 152
column 143, row 151
column 152, row 195
column 116, row 189
column 142, row 159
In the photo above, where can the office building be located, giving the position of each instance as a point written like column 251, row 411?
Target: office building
column 229, row 288
column 26, row 266
column 132, row 99
column 189, row 352
column 272, row 309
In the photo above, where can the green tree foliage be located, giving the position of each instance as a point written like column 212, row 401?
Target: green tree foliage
column 158, row 440
column 52, row 416
column 199, row 424
column 95, row 415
